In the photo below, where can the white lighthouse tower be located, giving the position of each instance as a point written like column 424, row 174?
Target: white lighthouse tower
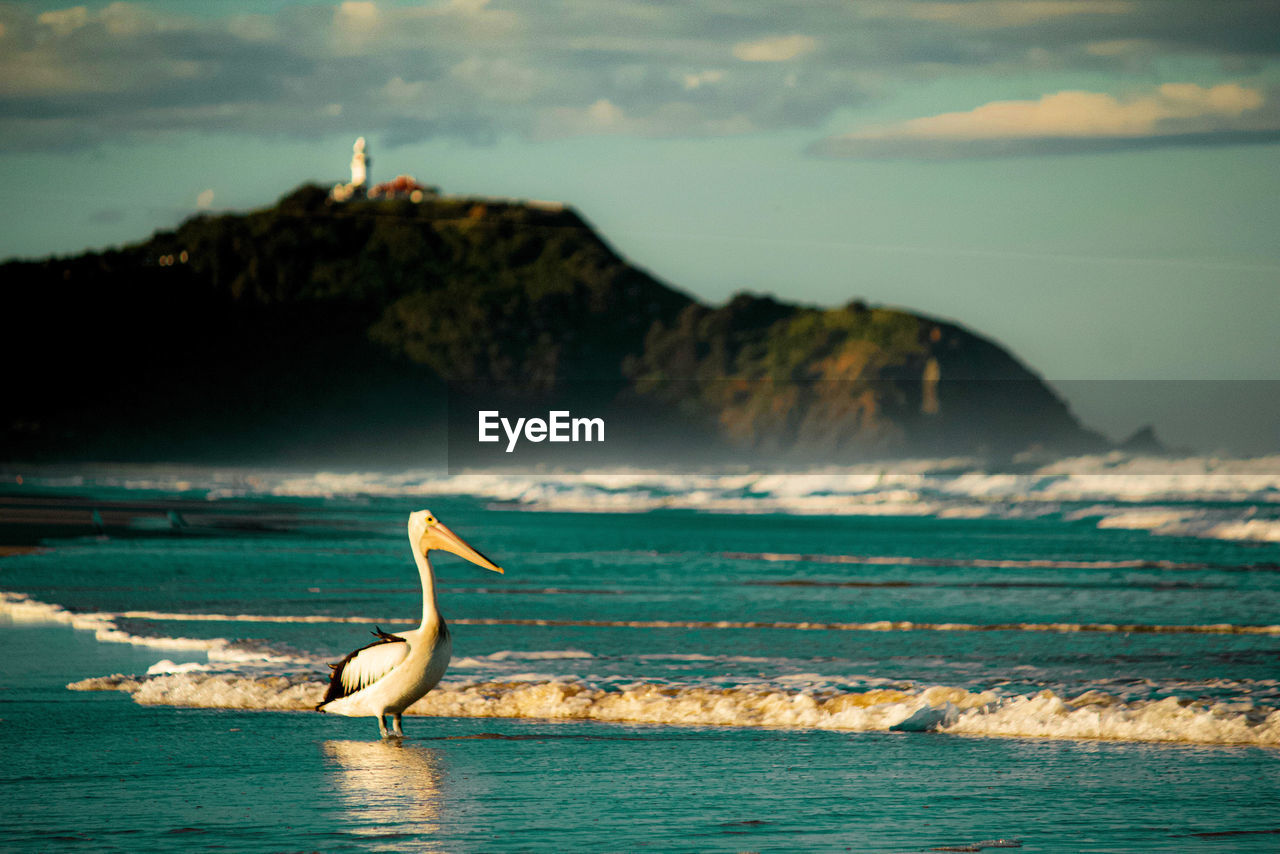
column 360, row 163
column 359, row 186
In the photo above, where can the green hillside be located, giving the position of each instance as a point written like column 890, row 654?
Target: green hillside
column 315, row 331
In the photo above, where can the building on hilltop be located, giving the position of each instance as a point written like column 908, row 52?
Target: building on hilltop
column 402, row 187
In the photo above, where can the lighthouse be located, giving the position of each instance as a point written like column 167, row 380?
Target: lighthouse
column 359, row 186
column 402, row 187
column 360, row 163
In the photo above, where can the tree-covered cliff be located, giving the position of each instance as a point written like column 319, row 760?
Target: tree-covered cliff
column 313, row 331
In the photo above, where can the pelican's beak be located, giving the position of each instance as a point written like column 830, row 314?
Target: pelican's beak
column 451, row 542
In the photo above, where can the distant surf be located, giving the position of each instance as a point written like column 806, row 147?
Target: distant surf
column 1018, row 688
column 1204, row 497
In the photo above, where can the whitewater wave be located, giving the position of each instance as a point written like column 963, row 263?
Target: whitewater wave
column 889, row 626
column 895, row 560
column 20, row 607
column 1093, row 715
column 960, row 488
column 501, row 659
column 1113, row 476
column 1216, row 524
column 245, row 676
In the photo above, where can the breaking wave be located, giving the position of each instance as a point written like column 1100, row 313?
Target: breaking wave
column 894, row 560
column 1092, row 715
column 21, row 607
column 1245, row 492
column 888, row 626
column 244, row 676
column 1216, row 524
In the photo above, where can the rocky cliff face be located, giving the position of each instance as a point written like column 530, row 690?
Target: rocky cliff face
column 318, row 331
column 843, row 382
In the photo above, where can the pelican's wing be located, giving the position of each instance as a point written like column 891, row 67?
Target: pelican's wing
column 365, row 666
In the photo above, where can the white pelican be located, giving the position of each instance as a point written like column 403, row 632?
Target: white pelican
column 388, row 675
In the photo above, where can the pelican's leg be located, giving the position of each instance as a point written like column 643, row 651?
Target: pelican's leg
column 395, row 725
column 382, row 727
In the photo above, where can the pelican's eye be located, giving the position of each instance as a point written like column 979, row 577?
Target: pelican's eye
column 431, row 520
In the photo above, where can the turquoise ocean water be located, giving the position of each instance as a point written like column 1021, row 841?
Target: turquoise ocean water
column 1077, row 659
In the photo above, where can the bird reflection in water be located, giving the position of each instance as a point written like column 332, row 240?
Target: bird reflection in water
column 393, row 792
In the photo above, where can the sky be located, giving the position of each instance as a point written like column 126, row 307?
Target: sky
column 1095, row 184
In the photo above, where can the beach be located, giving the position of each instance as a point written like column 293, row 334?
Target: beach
column 920, row 659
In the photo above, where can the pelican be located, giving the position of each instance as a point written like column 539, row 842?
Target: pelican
column 387, row 676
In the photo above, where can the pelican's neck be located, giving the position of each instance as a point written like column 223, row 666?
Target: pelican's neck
column 430, row 611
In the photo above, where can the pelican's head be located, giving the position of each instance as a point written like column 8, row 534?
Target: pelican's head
column 427, row 533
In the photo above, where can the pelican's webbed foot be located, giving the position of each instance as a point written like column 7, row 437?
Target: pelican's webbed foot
column 395, row 726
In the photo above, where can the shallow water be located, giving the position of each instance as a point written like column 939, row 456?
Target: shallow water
column 648, row 679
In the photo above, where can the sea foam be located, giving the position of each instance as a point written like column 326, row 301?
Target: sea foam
column 19, row 606
column 229, row 681
column 1092, row 715
column 1119, row 484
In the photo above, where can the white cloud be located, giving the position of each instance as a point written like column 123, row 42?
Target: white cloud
column 1005, row 13
column 496, row 78
column 356, row 15
column 1118, row 47
column 777, row 49
column 701, row 78
column 65, row 21
column 1075, row 121
column 468, row 6
column 606, row 118
column 1078, row 114
column 204, row 200
column 478, row 70
column 400, row 91
column 121, row 20
column 601, row 117
column 356, row 27
column 604, row 114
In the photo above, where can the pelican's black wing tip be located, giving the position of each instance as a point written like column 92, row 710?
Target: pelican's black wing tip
column 337, row 690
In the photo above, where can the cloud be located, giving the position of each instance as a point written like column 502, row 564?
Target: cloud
column 64, row 21
column 204, row 200
column 606, row 118
column 479, row 70
column 777, row 49
column 983, row 14
column 702, row 78
column 1117, row 47
column 1083, row 114
column 1074, row 121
